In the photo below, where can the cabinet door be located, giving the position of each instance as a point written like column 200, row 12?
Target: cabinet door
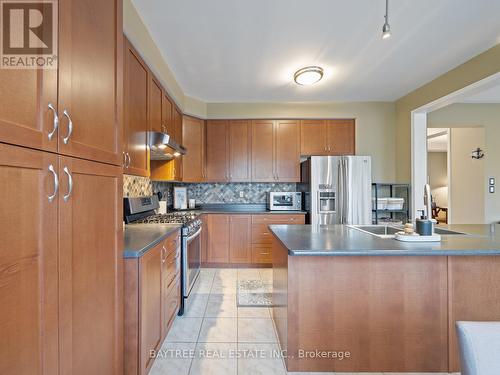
column 216, row 151
column 239, row 137
column 90, row 58
column 166, row 116
column 313, row 137
column 177, row 120
column 155, row 105
column 136, row 113
column 263, row 151
column 288, row 151
column 240, row 239
column 193, row 139
column 341, row 137
column 218, row 238
column 90, row 267
column 28, row 262
column 150, row 304
column 25, row 116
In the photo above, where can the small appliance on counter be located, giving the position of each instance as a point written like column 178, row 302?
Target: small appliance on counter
column 180, row 198
column 284, row 201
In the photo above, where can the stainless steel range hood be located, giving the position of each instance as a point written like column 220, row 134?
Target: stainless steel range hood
column 163, row 147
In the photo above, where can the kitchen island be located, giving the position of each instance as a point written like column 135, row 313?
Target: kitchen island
column 348, row 301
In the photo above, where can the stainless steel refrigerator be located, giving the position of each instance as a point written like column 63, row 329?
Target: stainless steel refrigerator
column 337, row 189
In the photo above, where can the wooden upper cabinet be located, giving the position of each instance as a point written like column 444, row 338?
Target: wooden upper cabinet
column 216, row 151
column 263, row 151
column 193, row 163
column 218, row 238
column 155, row 105
column 239, row 138
column 90, row 267
column 341, row 136
column 136, row 113
column 29, row 256
column 166, row 114
column 240, row 239
column 287, row 150
column 25, row 116
column 313, row 137
column 90, row 79
column 177, row 121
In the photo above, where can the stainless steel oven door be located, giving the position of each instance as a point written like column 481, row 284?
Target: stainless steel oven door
column 191, row 247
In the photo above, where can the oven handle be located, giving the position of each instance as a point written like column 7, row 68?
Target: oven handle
column 194, row 235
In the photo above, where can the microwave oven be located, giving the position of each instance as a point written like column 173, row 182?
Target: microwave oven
column 284, row 201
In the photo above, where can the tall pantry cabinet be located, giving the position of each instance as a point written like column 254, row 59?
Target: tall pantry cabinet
column 61, row 182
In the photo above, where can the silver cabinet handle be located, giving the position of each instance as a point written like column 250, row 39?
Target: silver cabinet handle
column 129, row 160
column 124, row 159
column 56, row 121
column 163, row 251
column 70, row 127
column 70, row 184
column 56, row 183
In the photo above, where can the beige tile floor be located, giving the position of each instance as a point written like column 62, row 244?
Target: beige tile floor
column 214, row 336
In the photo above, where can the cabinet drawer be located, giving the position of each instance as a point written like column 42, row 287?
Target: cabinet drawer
column 262, row 254
column 173, row 300
column 278, row 219
column 172, row 266
column 172, row 242
column 261, row 234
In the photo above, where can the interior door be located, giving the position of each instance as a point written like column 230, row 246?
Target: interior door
column 90, row 267
column 240, row 150
column 90, row 59
column 26, row 117
column 28, row 262
column 136, row 113
column 216, row 152
column 263, row 151
column 288, row 151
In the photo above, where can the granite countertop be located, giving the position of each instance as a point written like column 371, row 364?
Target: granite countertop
column 335, row 240
column 139, row 238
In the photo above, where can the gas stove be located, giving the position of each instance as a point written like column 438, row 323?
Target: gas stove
column 188, row 219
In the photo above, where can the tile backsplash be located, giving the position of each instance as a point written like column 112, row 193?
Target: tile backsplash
column 205, row 193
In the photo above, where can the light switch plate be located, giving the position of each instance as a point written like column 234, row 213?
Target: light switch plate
column 242, row 195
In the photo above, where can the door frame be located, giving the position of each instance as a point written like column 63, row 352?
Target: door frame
column 419, row 135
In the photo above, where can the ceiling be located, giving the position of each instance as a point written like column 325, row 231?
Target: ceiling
column 247, row 51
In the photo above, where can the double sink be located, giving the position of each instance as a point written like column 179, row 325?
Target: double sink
column 389, row 231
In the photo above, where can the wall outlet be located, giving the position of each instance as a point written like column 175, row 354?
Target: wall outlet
column 242, row 195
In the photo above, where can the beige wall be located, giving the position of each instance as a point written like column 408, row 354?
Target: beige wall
column 374, row 125
column 467, row 180
column 479, row 67
column 486, row 116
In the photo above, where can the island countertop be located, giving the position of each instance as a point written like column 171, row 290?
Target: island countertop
column 342, row 240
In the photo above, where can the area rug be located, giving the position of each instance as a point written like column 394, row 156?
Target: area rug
column 255, row 293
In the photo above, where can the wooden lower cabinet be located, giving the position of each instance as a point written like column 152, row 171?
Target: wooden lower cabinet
column 239, row 239
column 152, row 299
column 242, row 239
column 61, row 253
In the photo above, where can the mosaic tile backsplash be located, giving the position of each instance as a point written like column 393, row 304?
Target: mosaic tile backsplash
column 205, row 193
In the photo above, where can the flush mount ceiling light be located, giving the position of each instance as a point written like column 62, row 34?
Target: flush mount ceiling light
column 308, row 75
column 386, row 29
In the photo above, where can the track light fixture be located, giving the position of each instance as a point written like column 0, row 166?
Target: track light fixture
column 386, row 29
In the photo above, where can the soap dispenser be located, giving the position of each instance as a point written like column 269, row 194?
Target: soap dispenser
column 424, row 225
